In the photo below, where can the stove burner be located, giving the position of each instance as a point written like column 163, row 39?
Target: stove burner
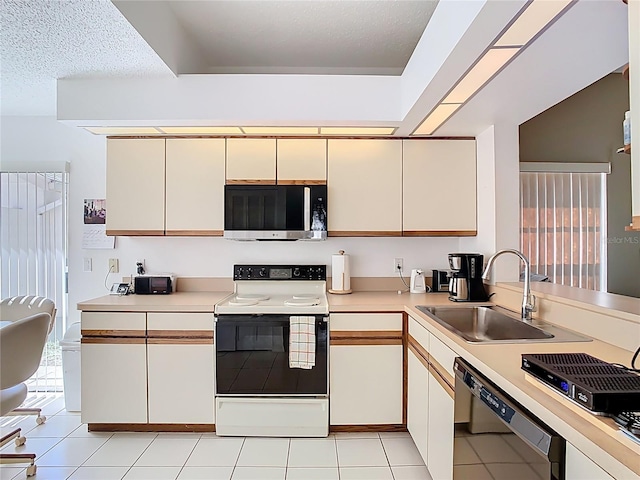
column 236, row 302
column 302, row 302
column 305, row 296
column 251, row 296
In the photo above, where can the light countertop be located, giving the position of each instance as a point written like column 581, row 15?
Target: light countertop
column 174, row 302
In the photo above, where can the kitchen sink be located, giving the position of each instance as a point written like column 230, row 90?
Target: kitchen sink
column 495, row 325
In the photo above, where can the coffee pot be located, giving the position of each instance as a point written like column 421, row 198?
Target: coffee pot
column 465, row 283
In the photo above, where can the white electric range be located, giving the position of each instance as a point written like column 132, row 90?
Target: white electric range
column 272, row 353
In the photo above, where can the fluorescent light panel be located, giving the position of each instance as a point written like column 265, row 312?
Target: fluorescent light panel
column 436, row 118
column 537, row 15
column 123, row 130
column 357, row 130
column 489, row 64
column 201, row 130
column 280, row 130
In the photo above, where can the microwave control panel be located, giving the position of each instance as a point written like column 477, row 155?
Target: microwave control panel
column 280, row 272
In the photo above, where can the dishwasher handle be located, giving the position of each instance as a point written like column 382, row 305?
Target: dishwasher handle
column 540, row 437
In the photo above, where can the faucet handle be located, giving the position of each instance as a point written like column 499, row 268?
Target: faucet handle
column 531, row 303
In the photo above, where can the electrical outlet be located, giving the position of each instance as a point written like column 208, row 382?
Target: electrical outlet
column 113, row 265
column 397, row 265
column 86, row 264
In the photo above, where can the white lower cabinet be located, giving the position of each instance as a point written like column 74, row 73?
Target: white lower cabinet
column 440, row 430
column 366, row 384
column 180, row 365
column 180, row 383
column 581, row 467
column 114, row 381
column 417, row 403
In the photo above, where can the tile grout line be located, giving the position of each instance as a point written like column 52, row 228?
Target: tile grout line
column 189, row 456
column 233, row 470
column 139, row 456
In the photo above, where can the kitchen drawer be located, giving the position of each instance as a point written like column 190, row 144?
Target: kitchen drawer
column 114, row 323
column 420, row 333
column 442, row 354
column 366, row 321
column 180, row 321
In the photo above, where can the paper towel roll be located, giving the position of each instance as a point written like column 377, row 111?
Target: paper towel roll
column 340, row 273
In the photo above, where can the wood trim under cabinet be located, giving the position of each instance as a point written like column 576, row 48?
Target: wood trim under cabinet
column 301, row 182
column 442, row 377
column 405, row 366
column 250, row 182
column 194, row 233
column 135, row 233
column 360, row 337
column 113, row 333
column 363, row 233
column 382, row 427
column 151, row 427
column 180, row 334
column 180, row 341
column 439, row 233
column 419, row 351
column 114, row 340
column 635, row 224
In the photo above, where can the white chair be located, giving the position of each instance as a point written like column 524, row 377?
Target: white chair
column 16, row 308
column 21, row 345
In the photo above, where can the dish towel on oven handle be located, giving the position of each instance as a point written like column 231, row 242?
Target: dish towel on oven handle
column 302, row 342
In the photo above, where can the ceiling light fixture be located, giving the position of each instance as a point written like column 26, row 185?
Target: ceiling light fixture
column 534, row 19
column 280, row 130
column 201, row 130
column 123, row 130
column 530, row 22
column 357, row 130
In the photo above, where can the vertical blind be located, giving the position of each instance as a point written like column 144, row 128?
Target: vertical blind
column 563, row 226
column 33, row 247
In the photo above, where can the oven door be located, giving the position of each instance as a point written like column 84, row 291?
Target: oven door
column 252, row 358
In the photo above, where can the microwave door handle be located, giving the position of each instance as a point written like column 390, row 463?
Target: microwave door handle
column 307, row 209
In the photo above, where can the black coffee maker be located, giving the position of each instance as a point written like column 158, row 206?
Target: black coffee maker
column 465, row 284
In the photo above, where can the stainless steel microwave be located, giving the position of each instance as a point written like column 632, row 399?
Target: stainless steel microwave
column 275, row 212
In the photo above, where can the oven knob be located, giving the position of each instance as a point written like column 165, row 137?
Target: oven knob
column 263, row 272
column 240, row 272
column 249, row 272
column 296, row 272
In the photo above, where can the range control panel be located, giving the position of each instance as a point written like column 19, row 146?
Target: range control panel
column 280, row 272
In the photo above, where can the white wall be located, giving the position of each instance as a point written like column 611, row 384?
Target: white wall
column 44, row 138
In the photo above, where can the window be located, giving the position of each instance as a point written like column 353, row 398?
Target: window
column 33, row 247
column 563, row 222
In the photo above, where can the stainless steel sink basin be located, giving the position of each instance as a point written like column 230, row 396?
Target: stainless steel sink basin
column 495, row 325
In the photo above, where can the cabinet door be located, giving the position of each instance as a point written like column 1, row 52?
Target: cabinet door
column 439, row 187
column 135, row 186
column 195, row 186
column 302, row 162
column 418, row 403
column 365, row 384
column 114, row 380
column 364, row 186
column 251, row 160
column 581, row 467
column 181, row 380
column 180, row 360
column 440, row 424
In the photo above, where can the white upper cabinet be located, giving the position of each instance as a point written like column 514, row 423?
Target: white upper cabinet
column 195, row 186
column 302, row 161
column 439, row 188
column 135, row 186
column 364, row 187
column 251, row 160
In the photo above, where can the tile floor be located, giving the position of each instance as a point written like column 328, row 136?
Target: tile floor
column 66, row 450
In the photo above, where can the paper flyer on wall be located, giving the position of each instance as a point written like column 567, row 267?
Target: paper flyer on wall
column 94, row 234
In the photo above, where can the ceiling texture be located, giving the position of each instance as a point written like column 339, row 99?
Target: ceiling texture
column 295, row 62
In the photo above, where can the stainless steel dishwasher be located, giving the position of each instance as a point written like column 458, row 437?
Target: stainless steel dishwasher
column 497, row 438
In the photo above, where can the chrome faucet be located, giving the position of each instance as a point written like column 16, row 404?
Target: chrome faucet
column 528, row 300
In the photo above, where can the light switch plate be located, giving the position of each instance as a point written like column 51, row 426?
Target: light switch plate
column 86, row 264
